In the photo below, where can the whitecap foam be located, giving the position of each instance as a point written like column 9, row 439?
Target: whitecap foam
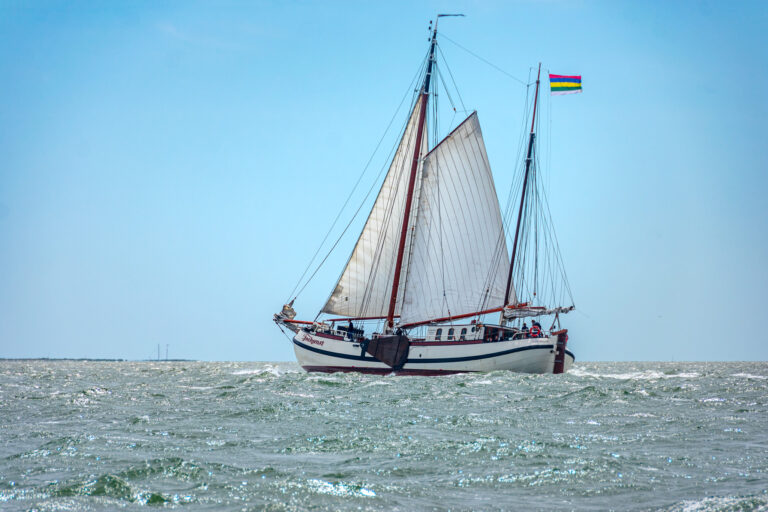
column 259, row 371
column 96, row 391
column 749, row 376
column 339, row 489
column 299, row 395
column 377, row 383
column 716, row 503
column 247, row 372
column 644, row 375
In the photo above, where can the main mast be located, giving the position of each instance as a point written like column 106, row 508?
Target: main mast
column 424, row 97
column 528, row 161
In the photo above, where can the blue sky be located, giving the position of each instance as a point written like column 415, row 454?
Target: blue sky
column 168, row 168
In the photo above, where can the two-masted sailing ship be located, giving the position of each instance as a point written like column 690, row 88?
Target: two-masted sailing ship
column 431, row 269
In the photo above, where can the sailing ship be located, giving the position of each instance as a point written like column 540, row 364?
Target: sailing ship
column 431, row 265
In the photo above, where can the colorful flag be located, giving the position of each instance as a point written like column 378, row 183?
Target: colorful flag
column 564, row 84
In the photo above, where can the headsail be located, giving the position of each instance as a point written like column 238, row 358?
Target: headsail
column 459, row 254
column 363, row 290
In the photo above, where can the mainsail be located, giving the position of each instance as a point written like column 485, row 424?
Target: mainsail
column 365, row 285
column 459, row 254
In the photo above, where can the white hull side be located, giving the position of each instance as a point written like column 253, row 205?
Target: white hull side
column 316, row 352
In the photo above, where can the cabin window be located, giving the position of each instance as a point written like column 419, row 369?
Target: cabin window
column 438, row 333
column 450, row 334
column 463, row 334
column 473, row 329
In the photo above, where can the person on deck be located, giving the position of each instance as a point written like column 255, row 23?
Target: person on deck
column 351, row 330
column 524, row 329
column 537, row 330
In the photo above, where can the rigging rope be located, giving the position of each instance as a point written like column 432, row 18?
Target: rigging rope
column 372, row 272
column 538, row 250
column 497, row 68
column 456, row 87
column 349, row 197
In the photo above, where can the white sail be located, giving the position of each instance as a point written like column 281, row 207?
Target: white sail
column 459, row 260
column 365, row 287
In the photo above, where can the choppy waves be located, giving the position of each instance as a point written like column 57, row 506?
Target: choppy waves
column 256, row 436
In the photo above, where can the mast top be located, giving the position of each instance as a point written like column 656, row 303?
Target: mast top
column 443, row 15
column 434, row 31
column 536, row 99
column 433, row 41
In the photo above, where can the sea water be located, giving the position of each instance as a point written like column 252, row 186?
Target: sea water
column 268, row 436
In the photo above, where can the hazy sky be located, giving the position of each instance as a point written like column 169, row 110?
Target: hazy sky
column 168, row 168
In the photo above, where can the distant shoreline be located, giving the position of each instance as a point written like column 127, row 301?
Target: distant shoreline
column 95, row 360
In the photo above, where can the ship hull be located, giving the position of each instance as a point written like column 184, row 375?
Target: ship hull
column 317, row 352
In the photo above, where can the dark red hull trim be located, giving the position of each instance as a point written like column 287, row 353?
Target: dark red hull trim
column 326, row 335
column 377, row 371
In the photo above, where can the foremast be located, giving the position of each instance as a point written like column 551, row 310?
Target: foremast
column 424, row 93
column 528, row 160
